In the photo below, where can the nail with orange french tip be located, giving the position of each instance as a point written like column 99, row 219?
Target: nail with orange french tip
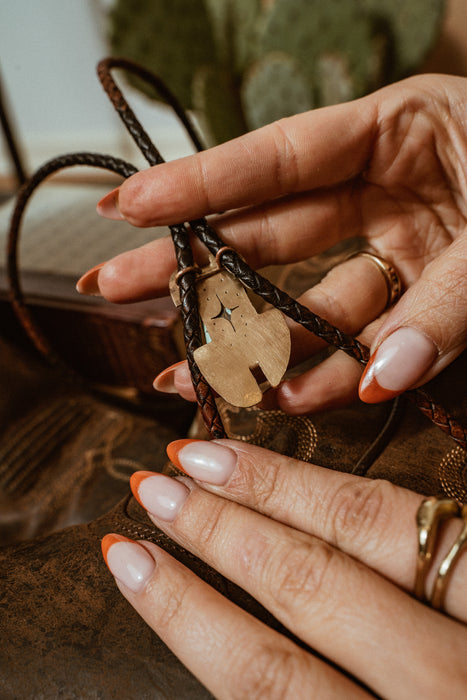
column 108, row 540
column 173, row 449
column 135, row 481
column 161, row 495
column 164, row 382
column 107, row 207
column 88, row 283
column 371, row 392
column 398, row 363
column 203, row 460
column 128, row 561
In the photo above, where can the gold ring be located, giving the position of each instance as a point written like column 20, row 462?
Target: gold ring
column 447, row 565
column 431, row 513
column 391, row 278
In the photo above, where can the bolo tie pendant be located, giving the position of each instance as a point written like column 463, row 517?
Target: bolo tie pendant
column 240, row 343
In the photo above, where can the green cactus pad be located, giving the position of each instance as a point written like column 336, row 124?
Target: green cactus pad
column 306, row 29
column 216, row 100
column 233, row 24
column 244, row 17
column 274, row 87
column 412, row 26
column 170, row 37
column 218, row 11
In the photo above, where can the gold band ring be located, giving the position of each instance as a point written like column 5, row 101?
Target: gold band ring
column 391, row 278
column 431, row 513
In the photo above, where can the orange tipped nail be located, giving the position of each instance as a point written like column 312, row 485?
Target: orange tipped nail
column 371, row 392
column 108, row 541
column 108, row 206
column 88, row 284
column 135, row 480
column 398, row 364
column 164, row 381
column 173, row 449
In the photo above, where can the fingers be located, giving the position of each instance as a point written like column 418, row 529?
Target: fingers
column 372, row 521
column 308, row 151
column 136, row 275
column 280, row 232
column 351, row 295
column 426, row 330
column 232, row 653
column 310, row 587
column 331, row 384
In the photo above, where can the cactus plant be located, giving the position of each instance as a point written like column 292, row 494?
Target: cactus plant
column 243, row 63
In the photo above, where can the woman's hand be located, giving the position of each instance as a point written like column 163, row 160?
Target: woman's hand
column 391, row 167
column 331, row 556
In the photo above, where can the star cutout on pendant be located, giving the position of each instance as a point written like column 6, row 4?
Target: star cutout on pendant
column 225, row 313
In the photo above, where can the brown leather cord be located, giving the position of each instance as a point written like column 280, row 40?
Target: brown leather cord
column 231, row 260
column 11, row 142
column 180, row 235
column 20, row 308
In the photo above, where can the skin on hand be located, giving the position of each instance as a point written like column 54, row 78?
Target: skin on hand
column 330, row 555
column 391, row 167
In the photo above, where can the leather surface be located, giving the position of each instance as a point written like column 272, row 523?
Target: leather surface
column 70, row 632
column 66, row 456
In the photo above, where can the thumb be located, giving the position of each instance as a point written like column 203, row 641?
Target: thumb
column 426, row 330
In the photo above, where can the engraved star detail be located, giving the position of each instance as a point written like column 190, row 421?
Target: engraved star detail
column 225, row 313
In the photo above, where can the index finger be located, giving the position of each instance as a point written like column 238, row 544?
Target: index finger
column 311, row 150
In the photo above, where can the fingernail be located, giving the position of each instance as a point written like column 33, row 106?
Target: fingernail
column 159, row 494
column 128, row 561
column 165, row 381
column 399, row 362
column 108, row 206
column 88, row 284
column 202, row 460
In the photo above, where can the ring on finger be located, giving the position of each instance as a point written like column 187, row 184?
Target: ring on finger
column 431, row 513
column 389, row 272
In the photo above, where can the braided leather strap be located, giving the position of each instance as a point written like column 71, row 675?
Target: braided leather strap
column 438, row 415
column 95, row 160
column 180, row 236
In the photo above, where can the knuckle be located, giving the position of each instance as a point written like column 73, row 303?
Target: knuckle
column 329, row 300
column 299, row 575
column 361, row 512
column 286, row 165
column 210, row 527
column 132, row 200
column 267, row 489
column 172, row 605
column 203, row 182
column 267, row 674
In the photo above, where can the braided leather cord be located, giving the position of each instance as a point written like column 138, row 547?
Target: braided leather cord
column 180, row 236
column 95, row 160
column 233, row 262
column 438, row 415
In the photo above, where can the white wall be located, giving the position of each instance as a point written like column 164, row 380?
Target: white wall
column 48, row 53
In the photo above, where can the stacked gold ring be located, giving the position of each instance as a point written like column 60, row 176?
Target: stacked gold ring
column 391, row 277
column 431, row 513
